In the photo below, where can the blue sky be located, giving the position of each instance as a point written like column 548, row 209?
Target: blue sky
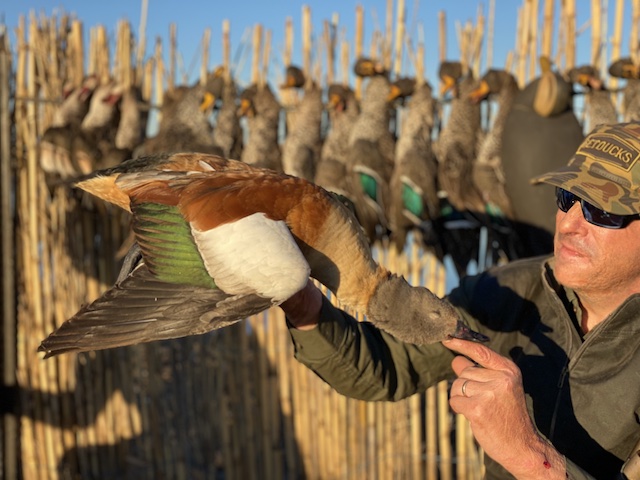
column 193, row 17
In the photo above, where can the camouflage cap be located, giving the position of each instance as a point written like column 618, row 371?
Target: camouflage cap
column 605, row 170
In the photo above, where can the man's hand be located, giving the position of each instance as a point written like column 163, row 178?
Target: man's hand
column 303, row 309
column 489, row 393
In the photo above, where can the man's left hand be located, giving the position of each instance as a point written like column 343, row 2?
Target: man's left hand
column 489, row 393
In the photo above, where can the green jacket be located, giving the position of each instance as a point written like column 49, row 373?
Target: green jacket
column 583, row 392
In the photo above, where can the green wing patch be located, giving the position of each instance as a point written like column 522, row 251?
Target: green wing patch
column 412, row 200
column 369, row 185
column 167, row 245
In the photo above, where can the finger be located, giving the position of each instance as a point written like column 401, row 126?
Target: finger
column 478, row 353
column 461, row 387
column 460, row 364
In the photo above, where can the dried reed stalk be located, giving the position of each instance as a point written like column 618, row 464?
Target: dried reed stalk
column 596, row 33
column 226, row 49
column 358, row 47
column 123, row 71
column 75, row 53
column 399, row 40
column 159, row 77
column 255, row 62
column 442, row 36
column 344, row 62
column 307, row 31
column 102, row 54
column 462, row 455
column 266, row 57
column 570, row 53
column 10, row 422
column 173, row 47
column 533, row 40
column 142, row 42
column 523, row 39
column 633, row 34
column 329, row 39
column 616, row 47
column 419, row 64
column 204, row 66
column 476, row 45
column 490, row 32
column 547, row 29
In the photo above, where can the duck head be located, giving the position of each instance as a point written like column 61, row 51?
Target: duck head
column 213, row 89
column 450, row 73
column 624, row 68
column 491, row 83
column 367, row 67
column 587, row 76
column 402, row 88
column 294, row 77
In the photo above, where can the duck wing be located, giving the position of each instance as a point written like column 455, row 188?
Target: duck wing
column 142, row 308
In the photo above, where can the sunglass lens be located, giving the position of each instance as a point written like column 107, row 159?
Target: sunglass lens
column 600, row 217
column 565, row 199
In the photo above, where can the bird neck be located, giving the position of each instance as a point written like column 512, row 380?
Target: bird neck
column 338, row 252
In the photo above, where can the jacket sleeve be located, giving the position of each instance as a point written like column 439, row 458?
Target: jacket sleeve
column 360, row 361
column 576, row 473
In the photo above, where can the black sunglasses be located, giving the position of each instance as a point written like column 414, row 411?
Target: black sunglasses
column 593, row 215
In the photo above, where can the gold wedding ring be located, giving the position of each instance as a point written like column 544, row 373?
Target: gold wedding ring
column 464, row 388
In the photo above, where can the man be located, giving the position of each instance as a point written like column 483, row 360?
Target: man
column 556, row 393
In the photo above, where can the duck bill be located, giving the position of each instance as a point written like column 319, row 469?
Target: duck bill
column 245, row 108
column 394, row 93
column 480, row 93
column 334, row 102
column 448, row 84
column 208, row 102
column 289, row 82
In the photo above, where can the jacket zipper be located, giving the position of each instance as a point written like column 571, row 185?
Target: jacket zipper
column 563, row 376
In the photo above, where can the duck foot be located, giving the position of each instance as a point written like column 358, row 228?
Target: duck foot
column 130, row 262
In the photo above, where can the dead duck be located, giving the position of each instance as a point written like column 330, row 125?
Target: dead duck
column 221, row 96
column 64, row 152
column 343, row 110
column 371, row 152
column 456, row 146
column 202, row 269
column 183, row 127
column 75, row 103
column 488, row 173
column 101, row 125
column 414, row 192
column 303, row 143
column 131, row 130
column 262, row 111
column 599, row 106
column 625, row 68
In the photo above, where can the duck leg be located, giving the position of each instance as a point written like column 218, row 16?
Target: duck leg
column 130, row 262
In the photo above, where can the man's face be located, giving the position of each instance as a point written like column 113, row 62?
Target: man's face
column 592, row 259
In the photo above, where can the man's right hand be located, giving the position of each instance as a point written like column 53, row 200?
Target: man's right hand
column 303, row 308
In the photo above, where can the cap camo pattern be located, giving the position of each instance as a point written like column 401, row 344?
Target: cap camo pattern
column 605, row 170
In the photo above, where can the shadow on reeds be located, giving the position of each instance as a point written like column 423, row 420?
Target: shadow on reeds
column 185, row 408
